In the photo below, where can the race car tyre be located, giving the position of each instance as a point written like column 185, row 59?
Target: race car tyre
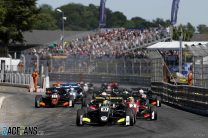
column 85, row 109
column 71, row 101
column 159, row 101
column 38, row 99
column 153, row 113
column 130, row 119
column 85, row 102
column 134, row 113
column 80, row 114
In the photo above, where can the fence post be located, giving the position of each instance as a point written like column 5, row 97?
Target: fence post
column 133, row 67
column 107, row 67
column 41, row 76
column 124, row 66
column 116, row 69
column 202, row 72
column 24, row 62
column 140, row 68
column 15, row 78
column 37, row 56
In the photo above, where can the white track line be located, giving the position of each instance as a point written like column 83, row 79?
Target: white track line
column 1, row 101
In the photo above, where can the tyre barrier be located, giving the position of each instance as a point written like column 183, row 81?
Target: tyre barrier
column 190, row 98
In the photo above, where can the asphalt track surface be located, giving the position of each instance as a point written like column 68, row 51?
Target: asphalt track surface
column 18, row 110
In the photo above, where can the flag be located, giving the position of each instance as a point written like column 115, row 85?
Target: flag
column 102, row 21
column 174, row 12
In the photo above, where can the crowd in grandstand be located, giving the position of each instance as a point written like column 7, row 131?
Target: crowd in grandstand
column 108, row 42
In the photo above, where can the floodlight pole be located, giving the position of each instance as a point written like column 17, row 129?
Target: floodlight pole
column 59, row 10
column 181, row 53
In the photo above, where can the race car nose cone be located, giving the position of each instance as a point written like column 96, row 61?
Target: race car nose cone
column 104, row 118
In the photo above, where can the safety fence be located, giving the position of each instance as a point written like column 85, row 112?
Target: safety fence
column 193, row 99
column 16, row 78
column 200, row 71
column 99, row 78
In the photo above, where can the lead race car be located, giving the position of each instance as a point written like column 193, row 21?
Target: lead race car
column 54, row 97
column 75, row 91
column 105, row 110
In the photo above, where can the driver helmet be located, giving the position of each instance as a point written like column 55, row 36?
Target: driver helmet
column 104, row 94
column 72, row 89
column 55, row 90
column 131, row 99
column 141, row 91
column 125, row 91
column 105, row 102
column 144, row 96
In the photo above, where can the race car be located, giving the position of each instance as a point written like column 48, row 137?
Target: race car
column 54, row 97
column 109, row 86
column 74, row 90
column 105, row 110
column 142, row 107
column 87, row 87
column 77, row 95
column 57, row 84
column 153, row 99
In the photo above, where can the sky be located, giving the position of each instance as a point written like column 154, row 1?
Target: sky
column 193, row 11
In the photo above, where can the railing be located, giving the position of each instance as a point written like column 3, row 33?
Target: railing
column 194, row 99
column 16, row 79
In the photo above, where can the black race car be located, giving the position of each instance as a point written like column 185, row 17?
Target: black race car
column 106, row 110
column 54, row 97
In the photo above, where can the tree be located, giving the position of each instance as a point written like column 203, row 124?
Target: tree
column 45, row 20
column 17, row 17
column 118, row 19
column 186, row 30
column 140, row 22
column 202, row 29
column 160, row 22
column 190, row 28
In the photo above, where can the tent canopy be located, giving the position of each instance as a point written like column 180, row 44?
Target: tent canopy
column 174, row 45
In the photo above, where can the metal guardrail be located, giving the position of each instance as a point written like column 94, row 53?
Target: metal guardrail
column 194, row 99
column 99, row 78
column 16, row 78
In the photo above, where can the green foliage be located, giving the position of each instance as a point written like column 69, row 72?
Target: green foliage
column 160, row 22
column 202, row 29
column 186, row 31
column 117, row 19
column 80, row 17
column 45, row 20
column 16, row 17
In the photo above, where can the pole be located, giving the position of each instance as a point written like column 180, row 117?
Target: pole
column 24, row 64
column 62, row 29
column 181, row 53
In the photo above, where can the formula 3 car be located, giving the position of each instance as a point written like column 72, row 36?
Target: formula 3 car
column 153, row 99
column 105, row 110
column 143, row 108
column 54, row 97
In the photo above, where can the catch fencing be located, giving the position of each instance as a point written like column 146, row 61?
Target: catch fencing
column 194, row 99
